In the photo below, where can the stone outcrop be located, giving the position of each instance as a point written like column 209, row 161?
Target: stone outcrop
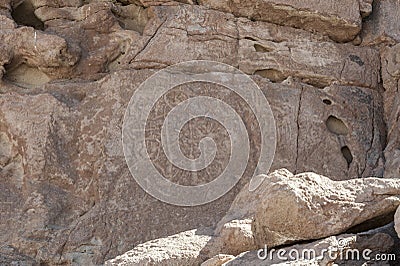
column 286, row 209
column 314, row 207
column 340, row 20
column 329, row 69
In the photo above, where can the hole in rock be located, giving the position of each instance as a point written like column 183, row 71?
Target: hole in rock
column 336, row 126
column 347, row 155
column 24, row 14
column 373, row 223
column 263, row 49
column 132, row 17
column 316, row 82
column 356, row 59
column 26, row 76
column 327, row 101
column 5, row 149
column 271, row 74
column 250, row 39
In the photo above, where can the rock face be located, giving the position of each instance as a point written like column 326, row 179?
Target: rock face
column 286, row 208
column 391, row 77
column 341, row 20
column 378, row 28
column 319, row 63
column 69, row 68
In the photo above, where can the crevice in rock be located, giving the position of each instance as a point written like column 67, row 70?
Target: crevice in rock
column 262, row 48
column 24, row 14
column 250, row 39
column 347, row 155
column 376, row 222
column 271, row 74
column 131, row 17
column 25, row 76
column 298, row 130
column 336, row 126
column 149, row 41
column 317, row 83
column 327, row 101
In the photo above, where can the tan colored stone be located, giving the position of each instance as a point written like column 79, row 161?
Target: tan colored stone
column 313, row 206
column 67, row 157
column 218, row 260
column 349, row 147
column 67, row 195
column 340, row 20
column 316, row 63
column 233, row 238
column 191, row 33
column 27, row 47
column 180, row 249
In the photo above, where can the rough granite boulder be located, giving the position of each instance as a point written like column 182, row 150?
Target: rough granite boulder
column 359, row 200
column 309, row 206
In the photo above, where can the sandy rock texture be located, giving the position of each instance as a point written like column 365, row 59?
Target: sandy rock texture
column 320, row 211
column 68, row 68
column 308, row 202
column 340, row 20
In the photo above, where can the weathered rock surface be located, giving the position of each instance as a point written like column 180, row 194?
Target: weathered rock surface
column 61, row 169
column 68, row 69
column 352, row 141
column 391, row 77
column 318, row 63
column 382, row 27
column 196, row 246
column 309, row 206
column 131, row 36
column 180, row 249
column 218, row 260
column 340, row 20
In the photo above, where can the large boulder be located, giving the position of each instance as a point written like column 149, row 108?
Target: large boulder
column 309, row 206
